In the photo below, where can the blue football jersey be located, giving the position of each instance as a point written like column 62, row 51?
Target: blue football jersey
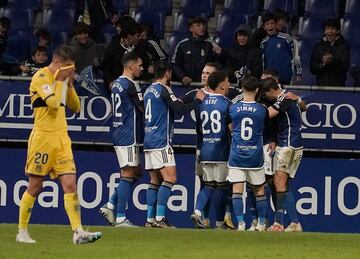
column 127, row 119
column 289, row 124
column 212, row 117
column 160, row 104
column 248, row 120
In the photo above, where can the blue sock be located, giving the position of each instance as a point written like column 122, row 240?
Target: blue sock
column 220, row 198
column 113, row 199
column 252, row 203
column 162, row 199
column 290, row 207
column 151, row 197
column 203, row 198
column 261, row 207
column 238, row 206
column 123, row 194
column 281, row 198
column 206, row 209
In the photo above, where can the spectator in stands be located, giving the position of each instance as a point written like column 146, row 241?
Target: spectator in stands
column 87, row 51
column 242, row 58
column 330, row 57
column 281, row 21
column 149, row 50
column 43, row 39
column 39, row 59
column 96, row 14
column 4, row 27
column 124, row 43
column 192, row 53
column 278, row 50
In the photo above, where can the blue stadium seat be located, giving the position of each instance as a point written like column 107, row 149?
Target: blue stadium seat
column 352, row 8
column 156, row 19
column 204, row 8
column 59, row 38
column 26, row 4
column 321, row 8
column 290, row 6
column 226, row 27
column 21, row 19
column 18, row 48
column 311, row 28
column 122, row 6
column 58, row 20
column 351, row 32
column 171, row 43
column 162, row 6
column 66, row 4
column 305, row 48
column 242, row 7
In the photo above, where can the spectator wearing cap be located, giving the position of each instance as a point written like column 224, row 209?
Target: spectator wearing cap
column 192, row 53
column 278, row 51
column 243, row 58
column 330, row 57
column 87, row 51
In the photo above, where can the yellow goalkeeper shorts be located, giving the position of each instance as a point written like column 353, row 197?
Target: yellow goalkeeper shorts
column 49, row 153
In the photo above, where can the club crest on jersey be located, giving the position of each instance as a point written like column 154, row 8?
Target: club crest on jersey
column 47, row 89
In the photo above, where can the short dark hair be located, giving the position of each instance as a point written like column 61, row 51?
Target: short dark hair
column 271, row 72
column 332, row 22
column 80, row 28
column 64, row 52
column 5, row 22
column 250, row 83
column 39, row 49
column 280, row 14
column 214, row 65
column 160, row 68
column 216, row 78
column 129, row 57
column 130, row 27
column 43, row 33
column 267, row 84
column 267, row 17
column 196, row 19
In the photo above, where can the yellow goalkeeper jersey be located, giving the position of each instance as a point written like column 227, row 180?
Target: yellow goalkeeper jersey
column 49, row 99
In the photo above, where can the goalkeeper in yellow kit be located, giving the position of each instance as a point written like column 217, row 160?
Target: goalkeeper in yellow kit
column 49, row 147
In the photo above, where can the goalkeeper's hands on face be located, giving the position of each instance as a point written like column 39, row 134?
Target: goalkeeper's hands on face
column 65, row 72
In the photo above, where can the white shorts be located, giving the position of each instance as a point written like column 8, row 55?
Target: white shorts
column 287, row 159
column 198, row 166
column 159, row 158
column 127, row 156
column 217, row 172
column 268, row 161
column 253, row 176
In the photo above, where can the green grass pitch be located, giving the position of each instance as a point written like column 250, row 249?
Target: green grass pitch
column 55, row 241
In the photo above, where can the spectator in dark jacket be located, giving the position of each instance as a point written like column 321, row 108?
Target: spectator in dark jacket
column 192, row 53
column 124, row 43
column 242, row 58
column 4, row 27
column 330, row 57
column 87, row 51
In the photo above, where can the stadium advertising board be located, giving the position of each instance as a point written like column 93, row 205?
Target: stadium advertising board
column 330, row 123
column 326, row 200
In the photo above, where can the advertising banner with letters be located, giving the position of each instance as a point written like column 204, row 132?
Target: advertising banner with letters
column 330, row 123
column 326, row 200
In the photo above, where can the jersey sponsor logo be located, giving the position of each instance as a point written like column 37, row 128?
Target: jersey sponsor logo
column 47, row 89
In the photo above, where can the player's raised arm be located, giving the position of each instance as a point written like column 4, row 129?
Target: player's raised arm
column 176, row 105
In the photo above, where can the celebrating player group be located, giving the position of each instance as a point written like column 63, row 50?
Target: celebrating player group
column 247, row 136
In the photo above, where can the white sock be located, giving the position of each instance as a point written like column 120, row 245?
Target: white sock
column 120, row 219
column 159, row 218
column 219, row 223
column 150, row 220
column 197, row 212
column 110, row 206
